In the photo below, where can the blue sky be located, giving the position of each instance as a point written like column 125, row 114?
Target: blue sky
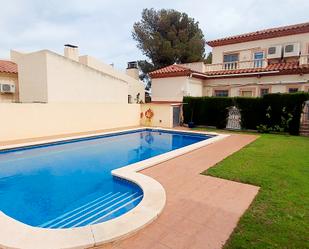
column 102, row 28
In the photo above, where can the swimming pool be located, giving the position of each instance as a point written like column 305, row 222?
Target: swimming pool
column 69, row 184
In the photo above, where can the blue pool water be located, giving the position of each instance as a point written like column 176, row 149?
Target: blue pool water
column 69, row 184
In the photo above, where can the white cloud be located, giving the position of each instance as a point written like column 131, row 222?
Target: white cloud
column 102, row 28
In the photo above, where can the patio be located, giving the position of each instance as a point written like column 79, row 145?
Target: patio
column 201, row 211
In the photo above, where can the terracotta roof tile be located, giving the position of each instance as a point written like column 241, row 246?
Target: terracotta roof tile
column 262, row 34
column 172, row 70
column 284, row 67
column 8, row 67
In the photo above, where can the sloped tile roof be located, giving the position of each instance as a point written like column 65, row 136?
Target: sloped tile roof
column 8, row 67
column 277, row 68
column 262, row 34
column 172, row 70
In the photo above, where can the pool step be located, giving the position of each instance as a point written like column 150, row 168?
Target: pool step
column 101, row 209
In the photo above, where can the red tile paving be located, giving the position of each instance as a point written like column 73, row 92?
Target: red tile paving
column 201, row 211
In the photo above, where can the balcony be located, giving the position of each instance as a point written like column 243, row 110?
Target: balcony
column 259, row 63
column 304, row 59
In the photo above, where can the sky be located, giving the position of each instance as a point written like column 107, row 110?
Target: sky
column 102, row 28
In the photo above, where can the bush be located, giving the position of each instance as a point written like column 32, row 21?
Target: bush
column 273, row 112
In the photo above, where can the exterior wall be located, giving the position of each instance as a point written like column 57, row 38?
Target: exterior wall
column 135, row 86
column 195, row 87
column 11, row 79
column 246, row 49
column 169, row 89
column 32, row 77
column 70, row 81
column 195, row 66
column 38, row 120
column 45, row 76
column 163, row 115
column 276, row 84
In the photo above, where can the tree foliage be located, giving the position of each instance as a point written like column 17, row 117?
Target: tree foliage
column 167, row 37
column 208, row 59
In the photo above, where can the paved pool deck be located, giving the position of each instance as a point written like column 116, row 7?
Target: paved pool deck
column 201, row 211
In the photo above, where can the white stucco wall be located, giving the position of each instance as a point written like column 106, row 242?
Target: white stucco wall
column 277, row 84
column 195, row 87
column 134, row 86
column 39, row 120
column 70, row 81
column 169, row 89
column 47, row 77
column 246, row 49
column 32, row 77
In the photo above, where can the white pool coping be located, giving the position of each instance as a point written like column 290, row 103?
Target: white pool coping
column 15, row 234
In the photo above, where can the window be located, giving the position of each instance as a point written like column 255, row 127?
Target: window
column 246, row 93
column 293, row 90
column 221, row 93
column 230, row 61
column 258, row 59
column 264, row 91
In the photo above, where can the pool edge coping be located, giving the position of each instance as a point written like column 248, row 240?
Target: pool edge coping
column 121, row 227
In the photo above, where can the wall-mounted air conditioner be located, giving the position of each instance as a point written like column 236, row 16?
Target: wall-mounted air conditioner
column 291, row 49
column 7, row 88
column 274, row 52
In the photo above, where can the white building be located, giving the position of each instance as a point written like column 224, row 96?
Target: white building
column 268, row 61
column 47, row 77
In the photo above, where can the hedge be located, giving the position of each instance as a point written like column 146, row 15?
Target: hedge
column 268, row 110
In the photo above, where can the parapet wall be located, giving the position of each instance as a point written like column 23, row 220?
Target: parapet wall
column 22, row 121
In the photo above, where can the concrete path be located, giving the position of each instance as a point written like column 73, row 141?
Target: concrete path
column 201, row 211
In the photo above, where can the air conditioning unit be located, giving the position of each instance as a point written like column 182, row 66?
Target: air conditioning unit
column 274, row 52
column 291, row 49
column 7, row 88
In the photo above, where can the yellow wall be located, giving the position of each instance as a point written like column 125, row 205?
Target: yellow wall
column 163, row 115
column 37, row 120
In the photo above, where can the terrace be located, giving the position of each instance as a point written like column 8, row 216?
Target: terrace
column 303, row 60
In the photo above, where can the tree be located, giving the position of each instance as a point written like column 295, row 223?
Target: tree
column 167, row 37
column 208, row 59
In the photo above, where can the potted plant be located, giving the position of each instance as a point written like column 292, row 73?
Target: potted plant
column 191, row 123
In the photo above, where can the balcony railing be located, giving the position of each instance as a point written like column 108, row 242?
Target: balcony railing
column 260, row 63
column 304, row 59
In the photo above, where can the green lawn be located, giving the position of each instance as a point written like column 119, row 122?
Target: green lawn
column 279, row 215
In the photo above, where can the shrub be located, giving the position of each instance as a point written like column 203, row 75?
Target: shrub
column 273, row 112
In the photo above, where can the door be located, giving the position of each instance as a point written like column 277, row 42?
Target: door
column 176, row 116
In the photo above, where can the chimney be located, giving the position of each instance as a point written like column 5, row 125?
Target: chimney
column 71, row 52
column 132, row 70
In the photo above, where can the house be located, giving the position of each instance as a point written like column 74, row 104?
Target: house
column 274, row 60
column 8, row 81
column 47, row 77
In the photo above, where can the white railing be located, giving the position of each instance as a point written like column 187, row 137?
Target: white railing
column 260, row 63
column 304, row 59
